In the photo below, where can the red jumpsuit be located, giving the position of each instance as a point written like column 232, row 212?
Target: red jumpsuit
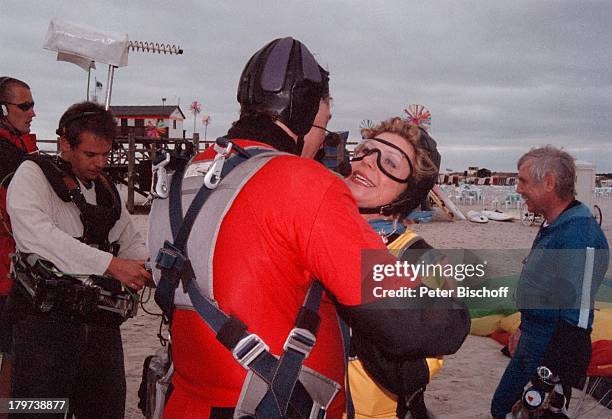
column 293, row 220
column 26, row 142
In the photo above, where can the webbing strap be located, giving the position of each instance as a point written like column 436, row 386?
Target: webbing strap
column 296, row 349
column 175, row 204
column 181, row 227
column 346, row 343
column 252, row 353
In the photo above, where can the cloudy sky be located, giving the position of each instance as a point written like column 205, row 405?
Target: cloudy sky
column 497, row 76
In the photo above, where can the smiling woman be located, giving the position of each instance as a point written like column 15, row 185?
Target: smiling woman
column 393, row 170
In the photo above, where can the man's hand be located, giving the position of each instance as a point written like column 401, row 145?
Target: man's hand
column 129, row 272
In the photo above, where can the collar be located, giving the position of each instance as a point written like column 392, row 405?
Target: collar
column 11, row 131
column 87, row 185
column 571, row 205
column 575, row 203
column 263, row 129
column 387, row 228
column 4, row 124
column 66, row 167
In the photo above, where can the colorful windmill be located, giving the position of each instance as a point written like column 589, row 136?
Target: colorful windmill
column 419, row 115
column 205, row 122
column 366, row 123
column 195, row 108
column 155, row 131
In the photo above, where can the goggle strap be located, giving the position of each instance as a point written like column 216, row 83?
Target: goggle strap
column 379, row 156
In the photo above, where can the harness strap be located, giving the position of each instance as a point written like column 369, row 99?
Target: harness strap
column 181, row 226
column 346, row 345
column 175, row 208
column 254, row 354
column 298, row 345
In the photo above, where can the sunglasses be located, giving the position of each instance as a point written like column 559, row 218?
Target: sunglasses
column 390, row 159
column 25, row 106
column 332, row 139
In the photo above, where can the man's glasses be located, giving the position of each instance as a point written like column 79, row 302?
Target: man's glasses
column 332, row 139
column 391, row 160
column 25, row 106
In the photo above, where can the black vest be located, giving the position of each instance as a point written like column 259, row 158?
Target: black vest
column 98, row 219
column 11, row 157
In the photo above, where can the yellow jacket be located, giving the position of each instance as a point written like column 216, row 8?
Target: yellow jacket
column 370, row 399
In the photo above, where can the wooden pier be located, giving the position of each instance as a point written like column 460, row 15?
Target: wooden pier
column 129, row 162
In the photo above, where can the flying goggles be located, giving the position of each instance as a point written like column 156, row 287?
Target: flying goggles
column 391, row 159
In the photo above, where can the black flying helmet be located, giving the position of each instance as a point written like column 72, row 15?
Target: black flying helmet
column 283, row 79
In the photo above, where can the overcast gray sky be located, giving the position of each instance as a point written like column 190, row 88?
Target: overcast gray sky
column 497, row 76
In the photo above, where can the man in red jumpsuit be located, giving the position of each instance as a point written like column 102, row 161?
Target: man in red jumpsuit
column 16, row 113
column 292, row 221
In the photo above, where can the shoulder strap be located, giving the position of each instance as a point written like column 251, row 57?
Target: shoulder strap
column 107, row 193
column 181, row 226
column 59, row 180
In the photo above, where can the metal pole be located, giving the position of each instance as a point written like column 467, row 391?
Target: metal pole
column 196, row 142
column 109, row 85
column 131, row 164
column 88, row 81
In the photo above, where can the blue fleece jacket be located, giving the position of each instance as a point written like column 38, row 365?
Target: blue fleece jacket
column 552, row 279
column 550, row 289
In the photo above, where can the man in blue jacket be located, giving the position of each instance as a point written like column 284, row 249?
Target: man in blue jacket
column 560, row 278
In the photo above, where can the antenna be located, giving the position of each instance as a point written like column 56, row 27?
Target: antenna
column 154, row 47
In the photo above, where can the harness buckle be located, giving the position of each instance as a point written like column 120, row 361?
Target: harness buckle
column 174, row 265
column 169, row 259
column 159, row 186
column 213, row 175
column 248, row 349
column 300, row 340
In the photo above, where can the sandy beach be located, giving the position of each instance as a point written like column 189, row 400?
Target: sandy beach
column 464, row 387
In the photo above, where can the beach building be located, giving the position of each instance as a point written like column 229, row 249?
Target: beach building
column 150, row 121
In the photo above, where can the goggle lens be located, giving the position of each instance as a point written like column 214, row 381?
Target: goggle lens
column 390, row 159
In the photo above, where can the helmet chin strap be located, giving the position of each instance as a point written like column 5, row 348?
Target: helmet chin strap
column 387, row 209
column 375, row 210
column 300, row 144
column 382, row 209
